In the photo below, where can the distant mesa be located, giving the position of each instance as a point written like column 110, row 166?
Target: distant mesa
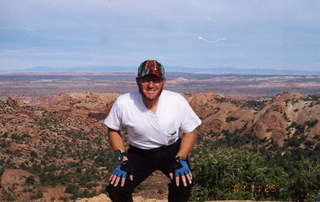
column 178, row 80
column 81, row 78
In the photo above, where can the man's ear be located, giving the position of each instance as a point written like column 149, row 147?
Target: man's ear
column 164, row 80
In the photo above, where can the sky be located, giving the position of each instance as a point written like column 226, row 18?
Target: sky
column 274, row 34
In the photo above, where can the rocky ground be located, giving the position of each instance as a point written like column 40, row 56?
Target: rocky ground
column 104, row 198
column 48, row 147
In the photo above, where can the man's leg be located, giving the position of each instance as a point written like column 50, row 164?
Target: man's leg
column 176, row 194
column 179, row 194
column 142, row 169
column 117, row 194
column 124, row 194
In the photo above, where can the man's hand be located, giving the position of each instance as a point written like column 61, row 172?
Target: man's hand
column 181, row 170
column 120, row 173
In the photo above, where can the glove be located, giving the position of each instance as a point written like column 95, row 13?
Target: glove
column 182, row 171
column 120, row 173
column 122, row 170
column 181, row 168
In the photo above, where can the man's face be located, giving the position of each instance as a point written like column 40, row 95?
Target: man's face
column 150, row 87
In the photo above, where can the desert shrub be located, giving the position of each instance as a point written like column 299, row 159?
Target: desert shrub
column 305, row 180
column 30, row 180
column 7, row 197
column 221, row 100
column 20, row 138
column 37, row 195
column 50, row 178
column 1, row 167
column 84, row 194
column 72, row 189
column 233, row 139
column 88, row 176
column 34, row 154
column 293, row 142
column 230, row 119
column 255, row 104
column 311, row 123
column 229, row 174
column 241, row 174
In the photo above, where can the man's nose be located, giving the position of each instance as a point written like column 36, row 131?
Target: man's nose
column 150, row 83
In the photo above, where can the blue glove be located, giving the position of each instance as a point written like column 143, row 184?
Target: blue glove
column 122, row 170
column 182, row 168
column 119, row 172
column 181, row 171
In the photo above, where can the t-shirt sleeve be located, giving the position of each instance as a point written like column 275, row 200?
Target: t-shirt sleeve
column 113, row 119
column 190, row 119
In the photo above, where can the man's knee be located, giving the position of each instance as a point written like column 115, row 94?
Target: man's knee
column 179, row 194
column 119, row 194
column 181, row 188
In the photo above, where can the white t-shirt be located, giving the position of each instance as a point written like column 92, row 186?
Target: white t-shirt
column 147, row 129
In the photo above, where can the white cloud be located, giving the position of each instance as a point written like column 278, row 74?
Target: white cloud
column 211, row 41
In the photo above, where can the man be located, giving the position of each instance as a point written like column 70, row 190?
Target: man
column 154, row 119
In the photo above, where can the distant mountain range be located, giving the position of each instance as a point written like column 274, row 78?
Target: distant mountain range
column 216, row 70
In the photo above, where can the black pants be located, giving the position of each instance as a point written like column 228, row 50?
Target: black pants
column 144, row 163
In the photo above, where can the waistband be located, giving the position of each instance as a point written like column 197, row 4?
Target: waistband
column 133, row 148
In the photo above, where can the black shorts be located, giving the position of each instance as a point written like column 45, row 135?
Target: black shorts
column 144, row 163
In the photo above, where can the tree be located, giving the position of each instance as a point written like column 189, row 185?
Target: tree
column 72, row 189
column 30, row 180
column 236, row 174
column 305, row 180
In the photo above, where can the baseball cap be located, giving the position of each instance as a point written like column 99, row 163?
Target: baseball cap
column 151, row 67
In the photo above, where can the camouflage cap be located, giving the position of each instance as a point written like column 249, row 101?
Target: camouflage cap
column 151, row 67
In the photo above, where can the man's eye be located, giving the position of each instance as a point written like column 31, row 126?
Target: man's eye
column 153, row 80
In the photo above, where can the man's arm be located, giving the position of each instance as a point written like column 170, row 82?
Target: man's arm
column 115, row 140
column 187, row 142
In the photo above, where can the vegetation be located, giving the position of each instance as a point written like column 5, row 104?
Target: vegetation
column 255, row 104
column 225, row 172
column 230, row 119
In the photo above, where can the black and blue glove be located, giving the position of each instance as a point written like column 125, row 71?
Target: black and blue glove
column 181, row 170
column 121, row 172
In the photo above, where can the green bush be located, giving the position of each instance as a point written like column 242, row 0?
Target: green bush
column 30, row 180
column 229, row 174
column 37, row 195
column 72, row 189
column 225, row 172
column 230, row 119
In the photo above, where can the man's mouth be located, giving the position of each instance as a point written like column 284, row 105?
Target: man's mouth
column 151, row 91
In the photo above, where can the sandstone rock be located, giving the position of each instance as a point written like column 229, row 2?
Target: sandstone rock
column 100, row 198
column 13, row 179
column 86, row 104
column 286, row 96
column 104, row 198
column 13, row 102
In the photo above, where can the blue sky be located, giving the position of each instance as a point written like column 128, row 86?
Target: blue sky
column 275, row 34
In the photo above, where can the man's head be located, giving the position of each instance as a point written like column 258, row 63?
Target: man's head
column 151, row 67
column 150, row 79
